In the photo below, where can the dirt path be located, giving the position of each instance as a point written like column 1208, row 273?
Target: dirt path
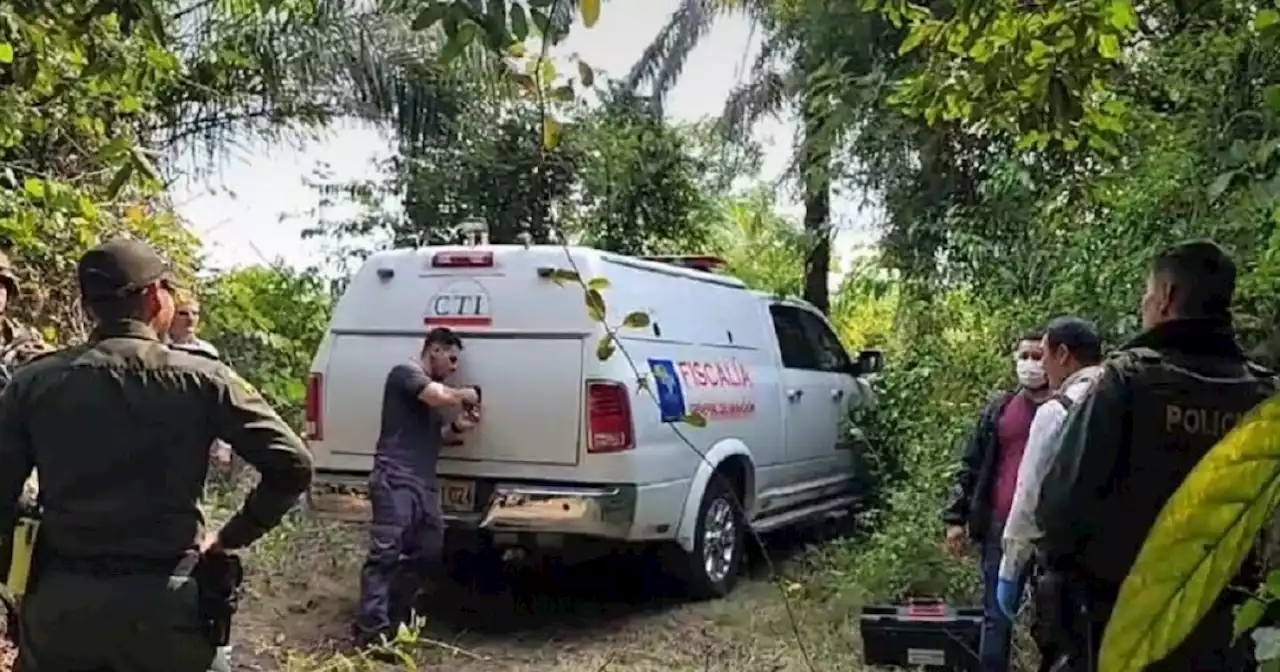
column 612, row 614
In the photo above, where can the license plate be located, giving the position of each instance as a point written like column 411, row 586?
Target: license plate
column 458, row 496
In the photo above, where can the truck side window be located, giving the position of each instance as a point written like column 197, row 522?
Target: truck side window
column 831, row 355
column 798, row 351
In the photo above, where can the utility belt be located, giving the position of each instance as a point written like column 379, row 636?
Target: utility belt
column 218, row 578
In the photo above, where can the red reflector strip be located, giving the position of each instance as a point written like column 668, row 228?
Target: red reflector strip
column 458, row 321
column 462, row 260
column 927, row 612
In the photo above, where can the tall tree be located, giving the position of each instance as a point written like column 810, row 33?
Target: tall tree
column 779, row 79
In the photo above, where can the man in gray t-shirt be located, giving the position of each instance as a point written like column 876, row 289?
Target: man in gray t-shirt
column 408, row 528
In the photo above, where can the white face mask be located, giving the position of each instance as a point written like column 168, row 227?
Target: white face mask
column 1031, row 374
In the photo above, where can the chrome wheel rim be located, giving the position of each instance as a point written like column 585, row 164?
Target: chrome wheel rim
column 719, row 539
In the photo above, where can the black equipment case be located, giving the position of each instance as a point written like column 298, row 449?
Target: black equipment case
column 924, row 633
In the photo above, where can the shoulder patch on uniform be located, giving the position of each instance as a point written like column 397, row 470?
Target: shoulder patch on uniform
column 244, row 385
column 1131, row 359
column 1144, row 353
column 42, row 355
column 199, row 352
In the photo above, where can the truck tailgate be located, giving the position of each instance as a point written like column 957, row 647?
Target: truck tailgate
column 531, row 389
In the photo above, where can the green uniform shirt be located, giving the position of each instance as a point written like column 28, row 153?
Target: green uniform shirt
column 120, row 428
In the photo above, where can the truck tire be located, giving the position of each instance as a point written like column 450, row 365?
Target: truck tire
column 719, row 543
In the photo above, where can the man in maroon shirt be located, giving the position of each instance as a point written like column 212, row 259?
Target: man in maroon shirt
column 983, row 491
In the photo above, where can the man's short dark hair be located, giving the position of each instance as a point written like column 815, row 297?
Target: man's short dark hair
column 1029, row 335
column 443, row 337
column 131, row 306
column 1078, row 335
column 1202, row 276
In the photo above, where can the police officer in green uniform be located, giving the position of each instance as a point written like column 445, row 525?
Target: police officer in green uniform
column 120, row 428
column 1163, row 400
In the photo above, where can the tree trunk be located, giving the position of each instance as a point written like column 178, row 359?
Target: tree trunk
column 817, row 263
column 816, row 177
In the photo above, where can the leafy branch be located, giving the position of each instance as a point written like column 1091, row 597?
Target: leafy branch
column 505, row 32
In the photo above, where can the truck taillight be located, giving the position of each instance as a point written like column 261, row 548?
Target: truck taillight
column 609, row 428
column 315, row 404
column 462, row 259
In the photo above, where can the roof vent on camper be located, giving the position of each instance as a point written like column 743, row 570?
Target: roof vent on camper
column 698, row 262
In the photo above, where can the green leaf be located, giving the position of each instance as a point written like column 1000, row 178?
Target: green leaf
column 1203, row 534
column 1265, row 19
column 519, row 22
column 119, row 179
column 1122, row 15
column 636, row 319
column 564, row 276
column 142, row 164
column 982, row 50
column 585, row 74
column 458, row 42
column 129, row 105
column 914, row 38
column 1271, row 95
column 598, row 284
column 1109, row 46
column 595, row 305
column 605, row 348
column 1272, row 587
column 540, row 21
column 590, row 12
column 550, row 133
column 433, row 12
column 694, row 420
column 6, row 52
column 1221, row 184
column 1248, row 615
column 34, row 187
column 563, row 94
column 497, row 10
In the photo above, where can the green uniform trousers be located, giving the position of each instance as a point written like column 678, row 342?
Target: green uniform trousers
column 130, row 623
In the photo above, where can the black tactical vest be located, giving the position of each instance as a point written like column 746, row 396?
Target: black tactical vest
column 1179, row 406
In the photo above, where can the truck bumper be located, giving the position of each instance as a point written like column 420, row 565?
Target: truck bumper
column 600, row 511
column 589, row 511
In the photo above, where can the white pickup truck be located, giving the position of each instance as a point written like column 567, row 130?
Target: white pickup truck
column 723, row 396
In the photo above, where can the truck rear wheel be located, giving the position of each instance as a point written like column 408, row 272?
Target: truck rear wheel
column 719, row 545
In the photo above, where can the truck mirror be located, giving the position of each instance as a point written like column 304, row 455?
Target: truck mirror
column 869, row 362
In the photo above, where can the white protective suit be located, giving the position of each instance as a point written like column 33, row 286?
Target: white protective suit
column 1021, row 531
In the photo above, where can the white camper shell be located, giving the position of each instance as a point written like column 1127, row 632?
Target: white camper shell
column 575, row 447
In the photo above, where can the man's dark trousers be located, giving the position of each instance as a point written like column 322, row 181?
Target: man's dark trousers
column 997, row 631
column 405, row 544
column 75, row 621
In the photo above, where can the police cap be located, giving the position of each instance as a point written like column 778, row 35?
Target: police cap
column 120, row 267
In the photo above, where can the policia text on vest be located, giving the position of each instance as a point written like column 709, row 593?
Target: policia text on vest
column 1194, row 420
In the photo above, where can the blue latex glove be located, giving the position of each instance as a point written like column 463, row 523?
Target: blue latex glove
column 1007, row 597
